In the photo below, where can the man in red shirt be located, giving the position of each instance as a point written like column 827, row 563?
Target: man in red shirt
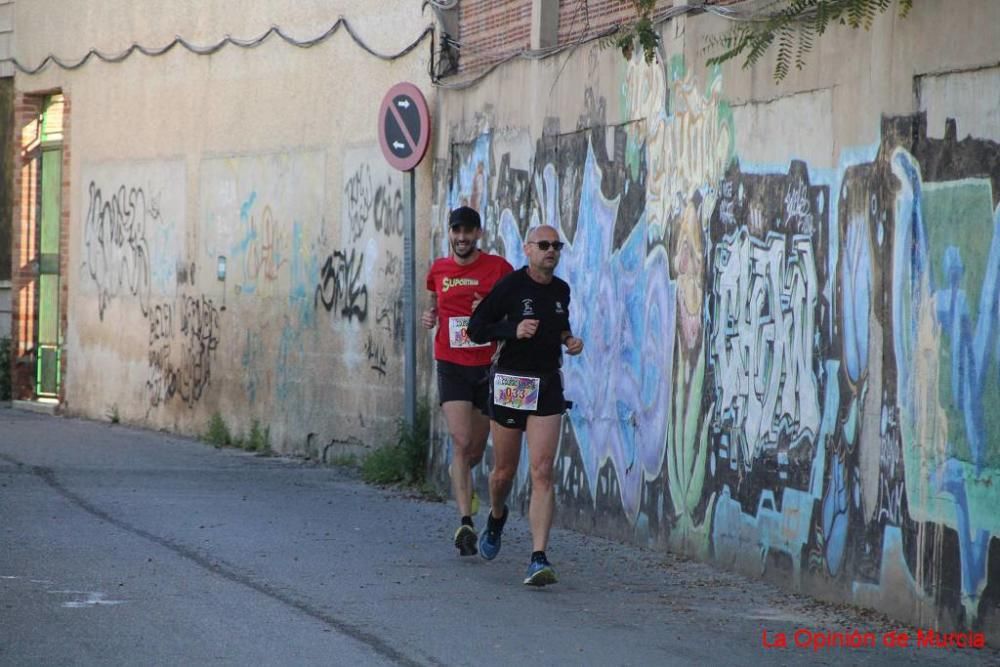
column 457, row 283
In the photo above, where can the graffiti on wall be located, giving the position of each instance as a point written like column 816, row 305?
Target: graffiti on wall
column 263, row 245
column 116, row 250
column 342, row 287
column 945, row 299
column 183, row 339
column 787, row 369
column 367, row 201
column 764, row 311
column 264, row 214
column 360, row 282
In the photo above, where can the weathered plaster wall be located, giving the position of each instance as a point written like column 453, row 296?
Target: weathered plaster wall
column 790, row 297
column 267, row 157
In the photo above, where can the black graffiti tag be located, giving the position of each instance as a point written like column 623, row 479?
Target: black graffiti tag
column 387, row 211
column 340, row 285
column 358, row 193
column 376, row 355
column 187, row 373
column 117, row 254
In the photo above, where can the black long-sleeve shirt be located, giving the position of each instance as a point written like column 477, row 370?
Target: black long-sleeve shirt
column 517, row 297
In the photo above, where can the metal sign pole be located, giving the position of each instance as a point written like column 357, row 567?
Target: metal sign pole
column 410, row 301
column 403, row 133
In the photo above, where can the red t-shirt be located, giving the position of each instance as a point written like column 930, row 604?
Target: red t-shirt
column 456, row 286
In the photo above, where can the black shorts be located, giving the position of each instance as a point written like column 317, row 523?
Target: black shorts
column 550, row 400
column 463, row 383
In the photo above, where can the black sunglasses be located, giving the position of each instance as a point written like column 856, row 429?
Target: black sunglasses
column 545, row 245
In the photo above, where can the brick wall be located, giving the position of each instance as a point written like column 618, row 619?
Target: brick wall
column 581, row 20
column 24, row 241
column 64, row 246
column 492, row 30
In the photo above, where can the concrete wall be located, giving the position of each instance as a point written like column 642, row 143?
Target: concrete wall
column 265, row 156
column 789, row 296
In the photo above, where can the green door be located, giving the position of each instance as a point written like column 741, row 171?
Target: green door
column 47, row 373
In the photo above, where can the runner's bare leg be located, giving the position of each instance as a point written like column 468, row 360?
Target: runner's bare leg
column 469, row 429
column 543, row 441
column 506, row 456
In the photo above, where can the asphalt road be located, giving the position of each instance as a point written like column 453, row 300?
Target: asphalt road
column 120, row 546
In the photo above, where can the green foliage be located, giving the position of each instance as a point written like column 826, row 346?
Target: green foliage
column 5, row 384
column 218, row 433
column 405, row 460
column 641, row 30
column 259, row 440
column 795, row 29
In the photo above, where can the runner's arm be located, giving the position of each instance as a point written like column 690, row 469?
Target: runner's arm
column 573, row 344
column 488, row 321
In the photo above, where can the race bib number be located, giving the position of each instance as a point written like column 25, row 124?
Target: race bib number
column 458, row 333
column 516, row 391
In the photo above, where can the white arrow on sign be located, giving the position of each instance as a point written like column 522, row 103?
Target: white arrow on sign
column 404, row 103
column 398, row 145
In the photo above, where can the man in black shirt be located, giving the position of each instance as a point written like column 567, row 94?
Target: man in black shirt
column 528, row 313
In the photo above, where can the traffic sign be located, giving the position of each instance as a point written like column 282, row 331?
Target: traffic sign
column 404, row 127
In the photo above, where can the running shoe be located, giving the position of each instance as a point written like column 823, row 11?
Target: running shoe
column 465, row 540
column 489, row 541
column 540, row 573
column 474, row 505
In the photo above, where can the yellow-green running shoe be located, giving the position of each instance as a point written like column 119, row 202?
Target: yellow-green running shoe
column 465, row 540
column 474, row 505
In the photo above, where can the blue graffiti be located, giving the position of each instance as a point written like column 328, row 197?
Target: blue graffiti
column 856, row 286
column 970, row 349
column 913, row 288
column 835, row 516
column 624, row 307
column 950, row 478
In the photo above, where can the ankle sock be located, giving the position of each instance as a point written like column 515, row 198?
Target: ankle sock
column 467, row 521
column 493, row 523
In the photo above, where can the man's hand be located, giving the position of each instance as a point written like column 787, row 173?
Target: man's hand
column 527, row 328
column 429, row 318
column 574, row 345
column 477, row 298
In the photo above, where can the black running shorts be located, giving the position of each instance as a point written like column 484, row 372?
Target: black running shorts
column 463, row 383
column 550, row 399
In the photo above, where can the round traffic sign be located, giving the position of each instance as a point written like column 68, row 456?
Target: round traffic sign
column 404, row 126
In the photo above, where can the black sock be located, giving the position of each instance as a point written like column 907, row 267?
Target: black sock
column 538, row 555
column 467, row 521
column 492, row 523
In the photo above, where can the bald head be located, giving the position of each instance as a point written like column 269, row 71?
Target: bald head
column 543, row 233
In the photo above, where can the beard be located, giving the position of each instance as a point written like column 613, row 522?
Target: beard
column 470, row 248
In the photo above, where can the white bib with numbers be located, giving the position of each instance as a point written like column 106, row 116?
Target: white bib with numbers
column 458, row 333
column 516, row 392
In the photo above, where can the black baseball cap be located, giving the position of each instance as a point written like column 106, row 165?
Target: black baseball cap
column 464, row 215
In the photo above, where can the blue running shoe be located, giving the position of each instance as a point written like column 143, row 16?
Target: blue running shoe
column 540, row 573
column 489, row 541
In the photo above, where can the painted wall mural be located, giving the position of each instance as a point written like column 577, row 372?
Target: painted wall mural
column 790, row 370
